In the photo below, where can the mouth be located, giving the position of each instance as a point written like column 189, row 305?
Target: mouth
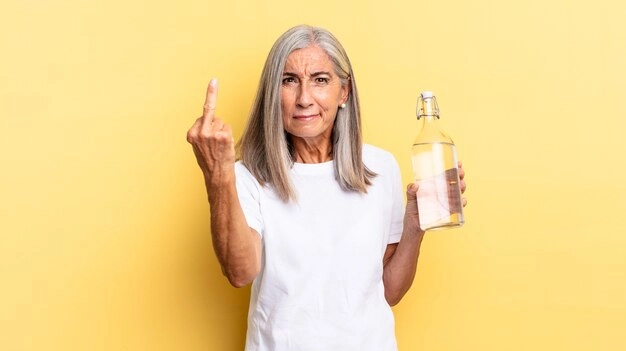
column 305, row 118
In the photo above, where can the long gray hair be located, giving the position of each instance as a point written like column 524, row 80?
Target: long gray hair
column 265, row 147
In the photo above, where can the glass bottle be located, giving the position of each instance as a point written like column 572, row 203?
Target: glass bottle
column 435, row 167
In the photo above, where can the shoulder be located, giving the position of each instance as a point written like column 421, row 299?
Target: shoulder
column 378, row 159
column 243, row 174
column 375, row 151
column 240, row 168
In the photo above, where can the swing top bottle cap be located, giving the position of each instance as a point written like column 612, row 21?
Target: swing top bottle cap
column 427, row 105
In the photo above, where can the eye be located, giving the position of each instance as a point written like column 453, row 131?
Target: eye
column 289, row 80
column 322, row 80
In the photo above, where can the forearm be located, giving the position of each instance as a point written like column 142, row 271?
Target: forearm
column 400, row 267
column 236, row 245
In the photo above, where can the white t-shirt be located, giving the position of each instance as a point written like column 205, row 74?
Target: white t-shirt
column 320, row 287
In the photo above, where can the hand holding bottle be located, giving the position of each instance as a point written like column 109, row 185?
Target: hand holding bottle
column 462, row 183
column 411, row 218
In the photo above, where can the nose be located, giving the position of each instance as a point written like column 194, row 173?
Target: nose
column 304, row 98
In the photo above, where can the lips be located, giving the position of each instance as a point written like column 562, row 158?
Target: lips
column 305, row 118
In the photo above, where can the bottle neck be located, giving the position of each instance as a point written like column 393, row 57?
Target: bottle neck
column 427, row 107
column 430, row 123
column 429, row 120
column 428, row 113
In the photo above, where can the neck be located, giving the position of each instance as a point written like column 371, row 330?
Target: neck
column 306, row 151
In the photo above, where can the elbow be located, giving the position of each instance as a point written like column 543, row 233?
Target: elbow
column 393, row 300
column 394, row 296
column 240, row 279
column 240, row 270
column 238, row 283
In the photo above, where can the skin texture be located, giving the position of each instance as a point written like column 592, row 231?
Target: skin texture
column 237, row 246
column 311, row 94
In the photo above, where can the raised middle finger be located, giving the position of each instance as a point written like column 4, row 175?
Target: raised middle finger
column 208, row 111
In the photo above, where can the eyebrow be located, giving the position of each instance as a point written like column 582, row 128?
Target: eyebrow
column 315, row 74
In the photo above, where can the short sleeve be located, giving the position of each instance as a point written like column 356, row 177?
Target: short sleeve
column 397, row 205
column 249, row 193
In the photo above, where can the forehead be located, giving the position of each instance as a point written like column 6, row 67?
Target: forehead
column 311, row 58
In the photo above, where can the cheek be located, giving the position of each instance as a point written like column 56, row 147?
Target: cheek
column 332, row 115
column 326, row 101
column 286, row 109
column 330, row 99
column 285, row 102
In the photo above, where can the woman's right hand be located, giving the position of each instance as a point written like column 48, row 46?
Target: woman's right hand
column 212, row 141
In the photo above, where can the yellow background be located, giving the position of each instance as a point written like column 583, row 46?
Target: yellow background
column 104, row 240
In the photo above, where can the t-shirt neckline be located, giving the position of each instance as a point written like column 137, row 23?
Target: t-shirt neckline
column 313, row 168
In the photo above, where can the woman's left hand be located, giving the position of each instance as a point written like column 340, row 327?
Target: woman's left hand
column 411, row 216
column 463, row 185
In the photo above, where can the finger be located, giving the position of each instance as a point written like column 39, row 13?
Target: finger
column 211, row 98
column 224, row 139
column 229, row 131
column 211, row 126
column 218, row 124
column 464, row 202
column 192, row 134
column 411, row 190
column 461, row 171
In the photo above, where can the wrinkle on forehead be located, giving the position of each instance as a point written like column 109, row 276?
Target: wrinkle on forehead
column 308, row 61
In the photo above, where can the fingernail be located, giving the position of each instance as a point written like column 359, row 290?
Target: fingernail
column 213, row 82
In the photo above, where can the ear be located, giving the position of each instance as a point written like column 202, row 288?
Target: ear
column 344, row 93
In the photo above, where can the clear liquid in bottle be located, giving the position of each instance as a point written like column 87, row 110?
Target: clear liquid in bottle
column 439, row 195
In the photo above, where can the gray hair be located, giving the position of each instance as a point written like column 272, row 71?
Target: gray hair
column 265, row 148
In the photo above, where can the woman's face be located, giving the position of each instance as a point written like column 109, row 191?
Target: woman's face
column 311, row 93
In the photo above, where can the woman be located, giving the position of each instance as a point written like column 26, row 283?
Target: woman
column 308, row 214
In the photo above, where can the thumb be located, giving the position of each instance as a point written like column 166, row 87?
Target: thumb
column 411, row 191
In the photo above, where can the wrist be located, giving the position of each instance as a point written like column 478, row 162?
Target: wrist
column 219, row 176
column 414, row 233
column 219, row 184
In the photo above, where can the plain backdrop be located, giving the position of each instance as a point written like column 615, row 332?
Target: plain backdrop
column 104, row 226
